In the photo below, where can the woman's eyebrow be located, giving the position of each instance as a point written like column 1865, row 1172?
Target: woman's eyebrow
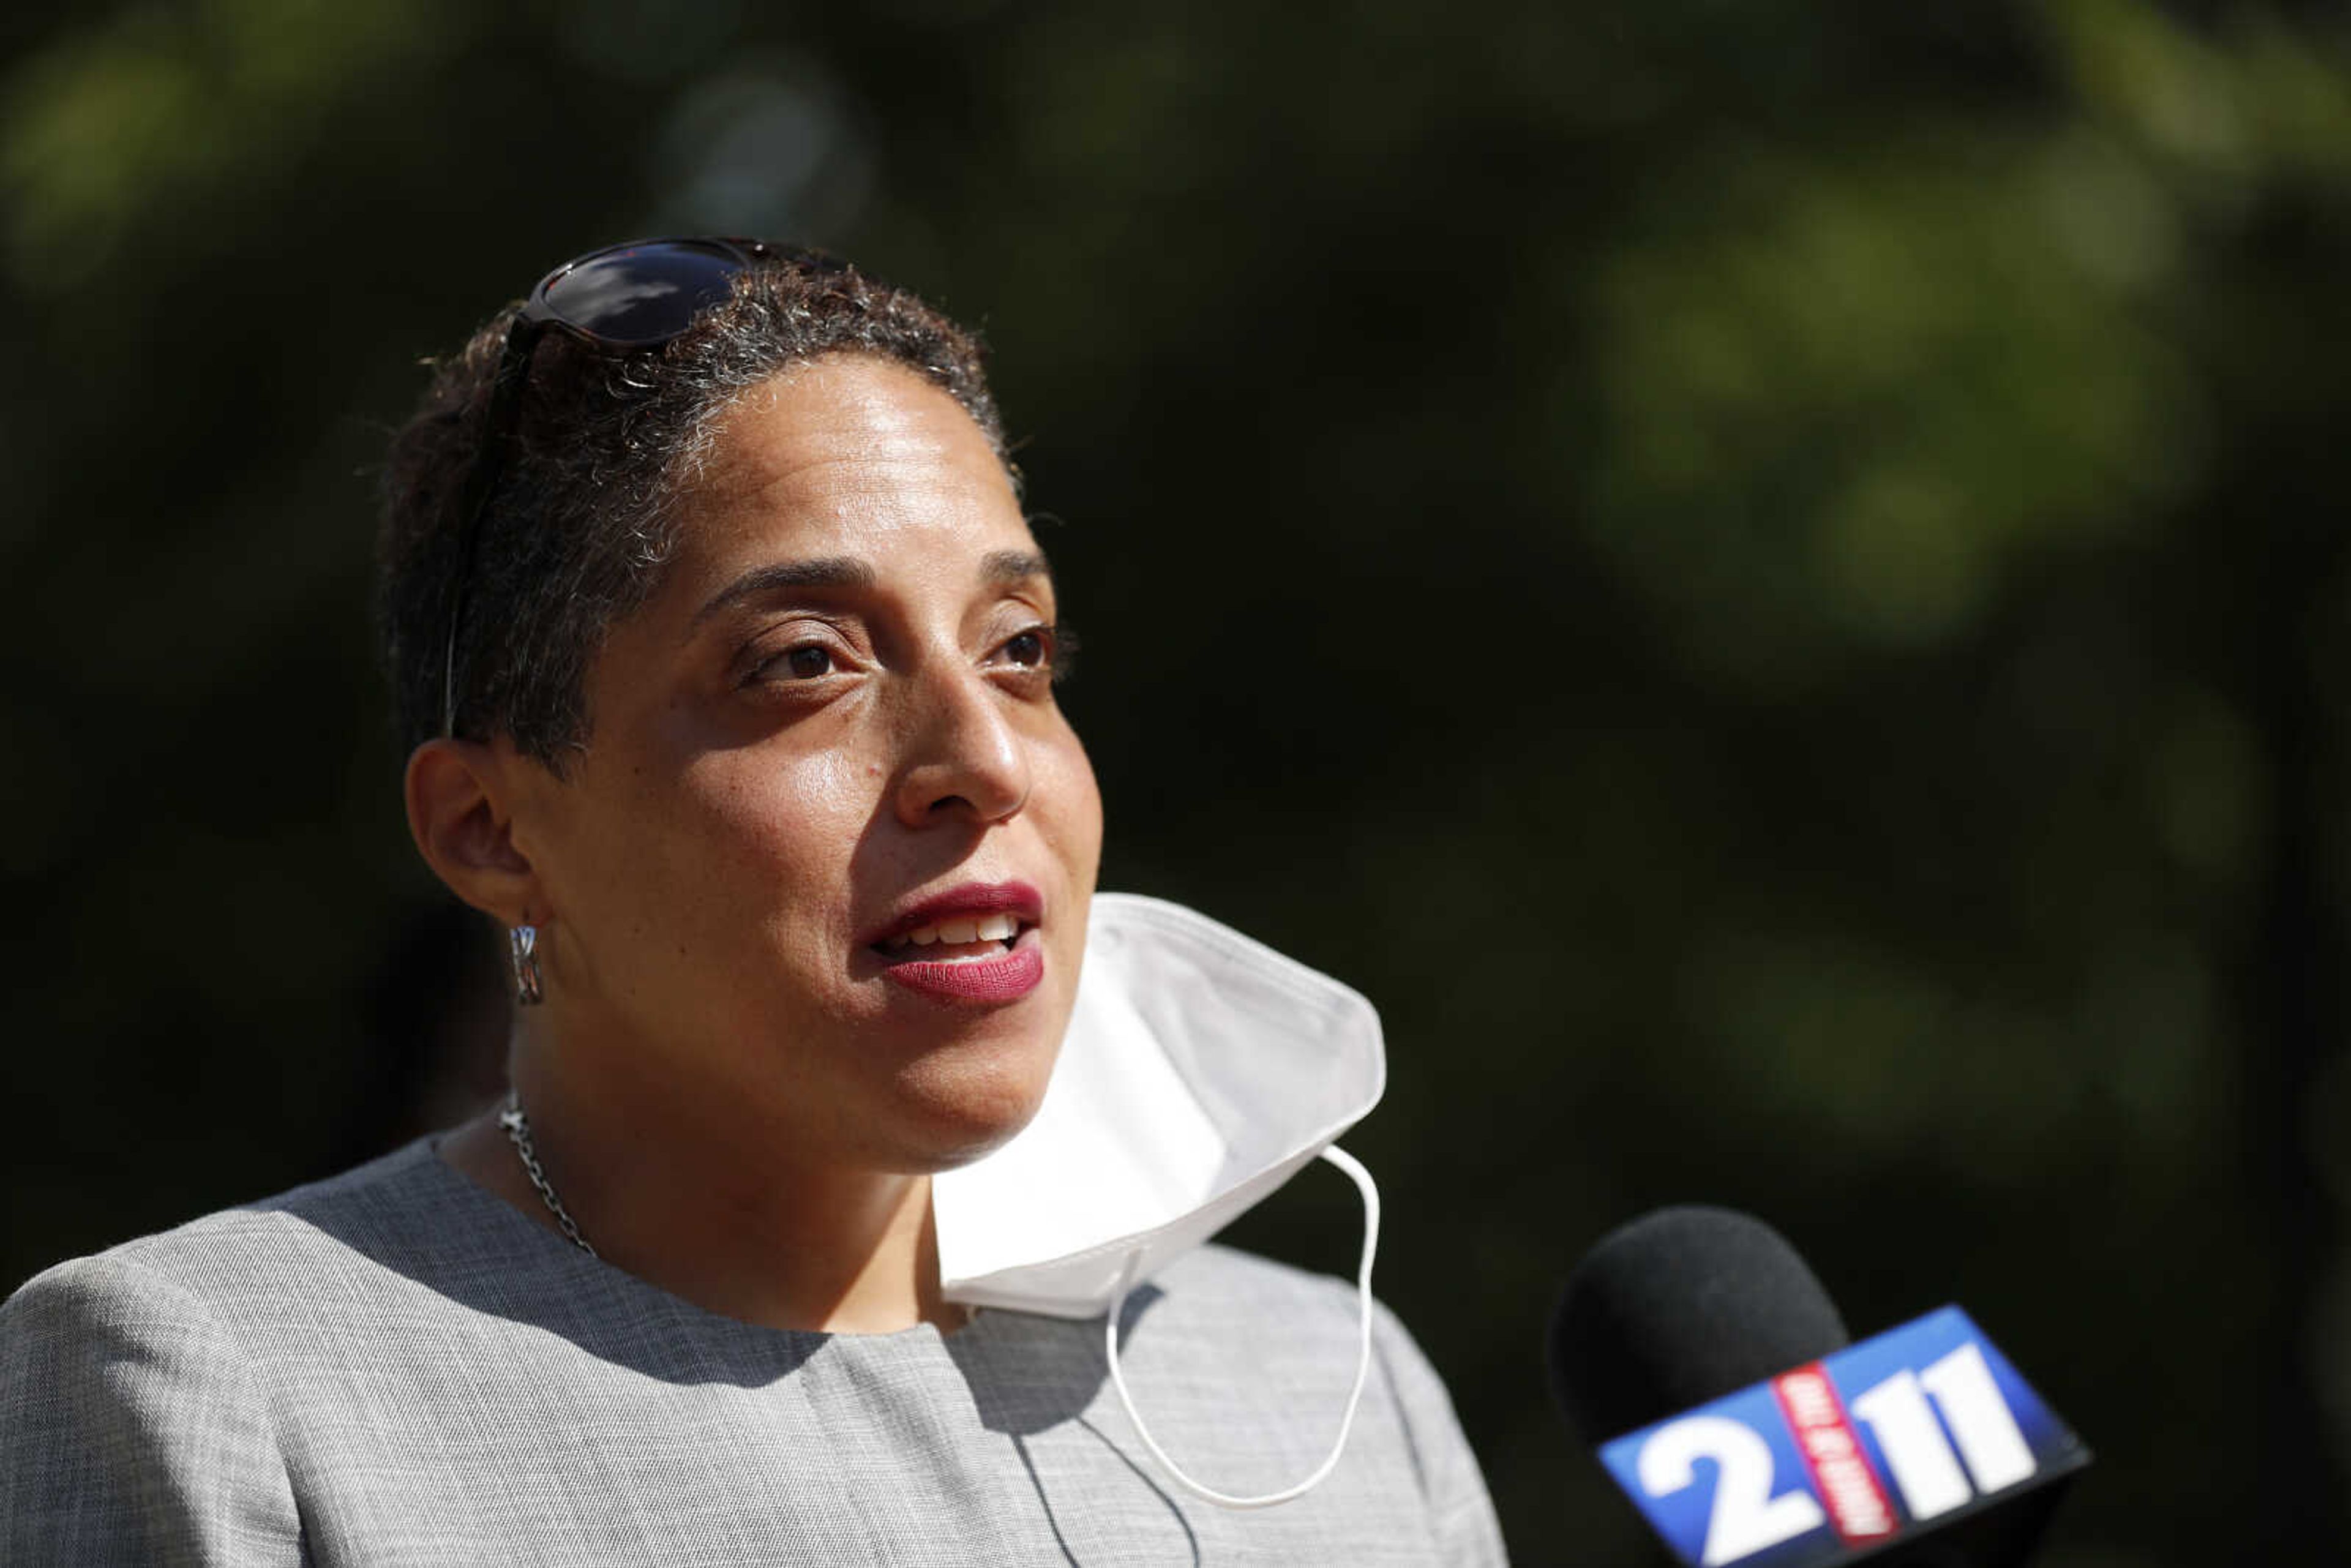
column 825, row 572
column 1013, row 566
column 1004, row 566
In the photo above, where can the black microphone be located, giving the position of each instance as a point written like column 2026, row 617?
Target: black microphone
column 1698, row 1334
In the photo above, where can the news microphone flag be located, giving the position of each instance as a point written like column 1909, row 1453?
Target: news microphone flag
column 1837, row 1460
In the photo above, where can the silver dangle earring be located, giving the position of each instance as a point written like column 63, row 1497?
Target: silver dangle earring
column 522, row 946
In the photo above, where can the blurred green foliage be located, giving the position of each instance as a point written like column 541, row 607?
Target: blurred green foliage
column 1769, row 580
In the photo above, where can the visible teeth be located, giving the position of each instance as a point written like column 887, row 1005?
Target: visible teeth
column 955, row 933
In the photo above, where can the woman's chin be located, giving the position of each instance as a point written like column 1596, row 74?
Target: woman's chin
column 951, row 1113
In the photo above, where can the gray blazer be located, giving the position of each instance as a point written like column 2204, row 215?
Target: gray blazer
column 396, row 1367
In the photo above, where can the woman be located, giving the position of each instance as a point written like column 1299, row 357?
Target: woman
column 726, row 659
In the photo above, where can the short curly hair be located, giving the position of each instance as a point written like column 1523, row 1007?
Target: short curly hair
column 585, row 511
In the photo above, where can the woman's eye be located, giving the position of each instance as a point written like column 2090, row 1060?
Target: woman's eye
column 1046, row 648
column 805, row 663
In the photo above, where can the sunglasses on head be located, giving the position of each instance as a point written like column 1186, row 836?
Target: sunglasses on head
column 622, row 299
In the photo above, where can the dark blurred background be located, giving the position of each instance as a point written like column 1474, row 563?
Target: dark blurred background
column 1770, row 580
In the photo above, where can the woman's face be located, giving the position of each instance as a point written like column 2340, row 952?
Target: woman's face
column 823, row 869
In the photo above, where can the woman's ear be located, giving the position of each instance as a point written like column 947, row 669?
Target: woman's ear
column 460, row 812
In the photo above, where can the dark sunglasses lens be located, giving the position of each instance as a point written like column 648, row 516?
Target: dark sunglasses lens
column 636, row 296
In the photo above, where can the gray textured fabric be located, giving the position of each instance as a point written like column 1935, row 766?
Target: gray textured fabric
column 397, row 1367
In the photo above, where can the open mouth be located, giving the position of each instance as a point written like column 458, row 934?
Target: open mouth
column 978, row 945
column 960, row 967
column 958, row 939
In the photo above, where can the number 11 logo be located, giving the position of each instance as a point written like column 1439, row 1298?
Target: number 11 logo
column 1925, row 1471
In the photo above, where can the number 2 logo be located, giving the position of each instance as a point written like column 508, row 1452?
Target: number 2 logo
column 1746, row 1517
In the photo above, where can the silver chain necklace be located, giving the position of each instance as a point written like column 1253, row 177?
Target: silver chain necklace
column 517, row 1126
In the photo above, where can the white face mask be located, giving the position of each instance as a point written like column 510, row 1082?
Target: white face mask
column 1200, row 1072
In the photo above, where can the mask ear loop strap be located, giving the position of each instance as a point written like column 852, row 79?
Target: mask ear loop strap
column 1363, row 1180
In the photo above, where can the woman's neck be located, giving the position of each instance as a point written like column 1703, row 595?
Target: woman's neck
column 720, row 1221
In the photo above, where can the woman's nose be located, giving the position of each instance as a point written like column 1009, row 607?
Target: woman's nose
column 964, row 760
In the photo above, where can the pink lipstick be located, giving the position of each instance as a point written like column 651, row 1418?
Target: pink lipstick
column 1007, row 978
column 978, row 945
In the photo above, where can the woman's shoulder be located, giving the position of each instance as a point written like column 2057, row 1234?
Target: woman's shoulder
column 161, row 1362
column 1219, row 1285
column 1227, row 1303
column 248, row 1262
column 1223, row 1339
column 1216, row 1284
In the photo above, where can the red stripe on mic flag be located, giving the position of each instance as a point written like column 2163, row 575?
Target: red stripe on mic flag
column 1847, row 1487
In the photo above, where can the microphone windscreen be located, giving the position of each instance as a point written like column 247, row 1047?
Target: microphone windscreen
column 1677, row 1308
